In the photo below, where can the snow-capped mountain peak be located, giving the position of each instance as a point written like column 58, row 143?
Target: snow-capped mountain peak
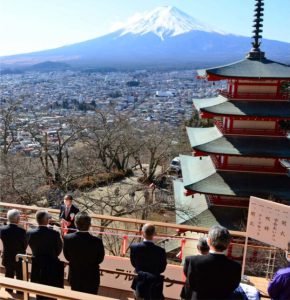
column 164, row 21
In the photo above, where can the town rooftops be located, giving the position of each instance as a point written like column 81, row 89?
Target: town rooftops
column 210, row 140
column 249, row 68
column 200, row 175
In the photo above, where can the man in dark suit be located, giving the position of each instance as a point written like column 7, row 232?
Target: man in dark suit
column 203, row 249
column 14, row 242
column 213, row 276
column 84, row 253
column 67, row 214
column 149, row 261
column 46, row 246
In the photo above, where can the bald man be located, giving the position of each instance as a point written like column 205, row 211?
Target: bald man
column 149, row 261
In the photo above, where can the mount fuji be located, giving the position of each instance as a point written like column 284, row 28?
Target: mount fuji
column 164, row 37
column 165, row 22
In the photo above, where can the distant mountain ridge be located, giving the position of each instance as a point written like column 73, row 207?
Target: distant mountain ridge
column 163, row 37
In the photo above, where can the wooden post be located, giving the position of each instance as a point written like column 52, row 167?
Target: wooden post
column 25, row 295
column 245, row 255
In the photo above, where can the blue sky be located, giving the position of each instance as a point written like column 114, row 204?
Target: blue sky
column 30, row 25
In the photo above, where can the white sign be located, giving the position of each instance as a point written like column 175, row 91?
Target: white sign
column 269, row 222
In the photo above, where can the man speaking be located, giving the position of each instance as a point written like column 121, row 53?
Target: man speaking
column 67, row 214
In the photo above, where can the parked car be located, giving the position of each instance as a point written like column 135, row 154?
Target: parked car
column 175, row 164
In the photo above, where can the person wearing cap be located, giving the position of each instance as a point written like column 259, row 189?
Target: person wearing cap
column 213, row 276
column 67, row 214
column 149, row 261
column 46, row 246
column 14, row 242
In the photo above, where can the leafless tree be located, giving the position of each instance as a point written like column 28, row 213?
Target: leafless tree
column 8, row 118
column 54, row 150
column 156, row 148
column 20, row 180
column 113, row 141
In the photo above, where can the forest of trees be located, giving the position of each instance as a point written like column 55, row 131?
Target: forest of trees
column 86, row 153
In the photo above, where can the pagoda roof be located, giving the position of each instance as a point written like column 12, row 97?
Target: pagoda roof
column 200, row 175
column 211, row 140
column 220, row 105
column 187, row 209
column 249, row 68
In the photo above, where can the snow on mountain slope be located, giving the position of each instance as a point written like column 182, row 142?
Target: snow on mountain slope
column 164, row 21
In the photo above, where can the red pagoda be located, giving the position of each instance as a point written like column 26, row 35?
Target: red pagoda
column 246, row 153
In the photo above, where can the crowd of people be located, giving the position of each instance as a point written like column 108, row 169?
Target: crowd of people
column 209, row 275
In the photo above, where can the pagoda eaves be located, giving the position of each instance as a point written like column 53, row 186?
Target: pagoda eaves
column 250, row 69
column 253, row 146
column 221, row 106
column 200, row 176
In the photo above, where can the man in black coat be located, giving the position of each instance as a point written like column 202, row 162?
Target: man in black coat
column 213, row 276
column 84, row 253
column 67, row 214
column 149, row 261
column 14, row 242
column 203, row 249
column 46, row 246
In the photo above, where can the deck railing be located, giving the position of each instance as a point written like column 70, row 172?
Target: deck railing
column 250, row 131
column 116, row 229
column 168, row 231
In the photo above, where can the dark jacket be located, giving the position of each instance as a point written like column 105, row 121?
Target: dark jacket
column 149, row 261
column 212, row 276
column 44, row 241
column 148, row 286
column 70, row 216
column 84, row 252
column 46, row 246
column 14, row 242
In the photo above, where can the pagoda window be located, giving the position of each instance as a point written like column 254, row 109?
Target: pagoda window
column 251, row 161
column 258, row 82
column 257, row 89
column 255, row 124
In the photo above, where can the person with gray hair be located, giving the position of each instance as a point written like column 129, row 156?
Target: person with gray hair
column 212, row 276
column 202, row 246
column 219, row 238
column 14, row 242
column 149, row 261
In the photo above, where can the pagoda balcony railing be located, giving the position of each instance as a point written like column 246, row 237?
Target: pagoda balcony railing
column 214, row 200
column 255, row 96
column 249, row 168
column 250, row 131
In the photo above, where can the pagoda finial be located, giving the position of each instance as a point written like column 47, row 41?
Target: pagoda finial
column 255, row 52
